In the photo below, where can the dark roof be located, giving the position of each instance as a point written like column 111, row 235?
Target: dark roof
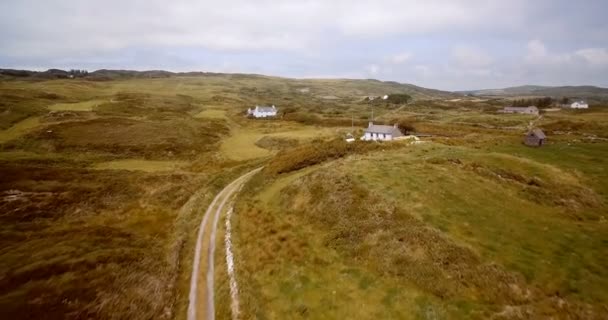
column 383, row 129
column 265, row 109
column 538, row 133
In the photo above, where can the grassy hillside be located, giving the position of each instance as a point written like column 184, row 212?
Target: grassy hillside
column 325, row 87
column 428, row 231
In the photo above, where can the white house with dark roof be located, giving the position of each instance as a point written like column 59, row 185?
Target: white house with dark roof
column 381, row 132
column 262, row 111
column 580, row 104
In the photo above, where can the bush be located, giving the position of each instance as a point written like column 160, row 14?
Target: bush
column 304, row 118
column 399, row 98
column 276, row 143
column 318, row 152
column 405, row 125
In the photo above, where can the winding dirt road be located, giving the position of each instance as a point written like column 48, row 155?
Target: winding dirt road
column 201, row 298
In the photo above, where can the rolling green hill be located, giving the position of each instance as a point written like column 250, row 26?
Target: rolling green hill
column 328, row 88
column 428, row 232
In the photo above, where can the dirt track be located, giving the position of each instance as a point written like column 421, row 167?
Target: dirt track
column 201, row 298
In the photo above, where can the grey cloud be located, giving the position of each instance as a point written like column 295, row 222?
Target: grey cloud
column 439, row 43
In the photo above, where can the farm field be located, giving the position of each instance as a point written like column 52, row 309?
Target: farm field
column 104, row 184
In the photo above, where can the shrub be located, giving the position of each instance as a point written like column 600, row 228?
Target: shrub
column 276, row 143
column 399, row 98
column 304, row 118
column 405, row 125
column 321, row 151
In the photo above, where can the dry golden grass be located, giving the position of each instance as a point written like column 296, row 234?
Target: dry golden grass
column 140, row 165
column 76, row 106
column 211, row 113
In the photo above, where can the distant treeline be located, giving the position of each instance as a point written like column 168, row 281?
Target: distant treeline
column 540, row 102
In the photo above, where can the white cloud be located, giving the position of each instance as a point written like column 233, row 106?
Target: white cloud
column 400, row 58
column 594, row 56
column 383, row 17
column 471, row 57
column 318, row 37
column 539, row 55
column 423, row 70
column 536, row 49
column 30, row 27
column 373, row 69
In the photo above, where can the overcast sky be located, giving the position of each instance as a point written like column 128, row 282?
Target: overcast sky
column 443, row 44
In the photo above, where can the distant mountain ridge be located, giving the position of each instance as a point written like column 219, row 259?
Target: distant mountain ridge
column 352, row 86
column 583, row 92
column 349, row 87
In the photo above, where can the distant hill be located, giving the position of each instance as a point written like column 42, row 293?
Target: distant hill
column 323, row 88
column 584, row 92
column 367, row 87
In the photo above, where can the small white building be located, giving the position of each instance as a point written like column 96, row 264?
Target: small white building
column 522, row 110
column 380, row 132
column 581, row 104
column 262, row 111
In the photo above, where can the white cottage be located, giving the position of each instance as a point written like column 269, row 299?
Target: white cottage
column 380, row 132
column 581, row 104
column 262, row 111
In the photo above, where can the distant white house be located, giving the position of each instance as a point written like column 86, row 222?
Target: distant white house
column 385, row 97
column 262, row 111
column 581, row 104
column 380, row 132
column 522, row 110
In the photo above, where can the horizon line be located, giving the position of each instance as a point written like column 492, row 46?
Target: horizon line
column 316, row 77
